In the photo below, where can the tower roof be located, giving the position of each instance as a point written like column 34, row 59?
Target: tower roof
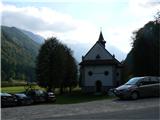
column 101, row 39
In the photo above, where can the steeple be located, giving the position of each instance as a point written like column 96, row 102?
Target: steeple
column 101, row 39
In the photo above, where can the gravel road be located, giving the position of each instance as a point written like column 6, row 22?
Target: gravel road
column 36, row 112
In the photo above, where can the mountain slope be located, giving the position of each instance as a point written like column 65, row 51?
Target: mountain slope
column 18, row 53
column 36, row 38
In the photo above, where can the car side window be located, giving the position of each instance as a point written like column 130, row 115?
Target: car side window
column 153, row 82
column 144, row 82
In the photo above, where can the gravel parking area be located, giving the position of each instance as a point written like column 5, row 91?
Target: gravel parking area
column 37, row 112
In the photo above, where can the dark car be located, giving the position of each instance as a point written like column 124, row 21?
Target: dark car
column 23, row 99
column 8, row 100
column 40, row 96
column 139, row 87
column 50, row 97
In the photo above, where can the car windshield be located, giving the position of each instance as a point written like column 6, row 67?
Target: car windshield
column 5, row 94
column 133, row 81
column 21, row 95
column 39, row 92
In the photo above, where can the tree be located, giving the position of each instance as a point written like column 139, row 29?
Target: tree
column 71, row 70
column 52, row 65
column 146, row 49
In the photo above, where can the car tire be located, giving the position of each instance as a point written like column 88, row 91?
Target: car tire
column 134, row 95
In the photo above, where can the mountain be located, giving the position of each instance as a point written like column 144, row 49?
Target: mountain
column 35, row 37
column 18, row 54
column 80, row 49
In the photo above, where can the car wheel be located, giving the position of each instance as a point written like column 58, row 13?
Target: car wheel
column 134, row 95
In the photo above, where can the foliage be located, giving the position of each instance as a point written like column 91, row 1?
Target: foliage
column 55, row 68
column 146, row 52
column 144, row 58
column 18, row 53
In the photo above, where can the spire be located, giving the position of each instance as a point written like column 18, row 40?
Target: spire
column 101, row 39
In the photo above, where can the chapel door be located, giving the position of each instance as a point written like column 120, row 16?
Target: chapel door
column 98, row 86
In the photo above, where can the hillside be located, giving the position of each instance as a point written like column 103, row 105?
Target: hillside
column 18, row 53
column 34, row 37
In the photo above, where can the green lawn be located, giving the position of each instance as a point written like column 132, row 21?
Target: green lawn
column 79, row 97
column 16, row 89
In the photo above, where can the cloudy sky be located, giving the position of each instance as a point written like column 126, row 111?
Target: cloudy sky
column 79, row 22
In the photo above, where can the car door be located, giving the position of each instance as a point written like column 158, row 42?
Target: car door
column 145, row 88
column 156, row 87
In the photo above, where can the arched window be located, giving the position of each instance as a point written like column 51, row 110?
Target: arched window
column 106, row 72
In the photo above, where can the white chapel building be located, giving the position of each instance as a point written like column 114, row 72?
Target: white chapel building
column 99, row 69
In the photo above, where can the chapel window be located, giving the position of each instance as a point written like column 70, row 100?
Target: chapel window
column 106, row 72
column 90, row 73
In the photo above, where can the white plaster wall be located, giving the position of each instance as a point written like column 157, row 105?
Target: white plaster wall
column 98, row 74
column 98, row 49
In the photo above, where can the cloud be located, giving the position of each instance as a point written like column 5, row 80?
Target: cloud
column 134, row 17
column 150, row 3
column 48, row 22
column 143, row 8
column 36, row 19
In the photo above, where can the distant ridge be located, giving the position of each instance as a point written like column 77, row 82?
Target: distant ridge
column 37, row 38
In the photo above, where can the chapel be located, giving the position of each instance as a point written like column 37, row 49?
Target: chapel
column 99, row 69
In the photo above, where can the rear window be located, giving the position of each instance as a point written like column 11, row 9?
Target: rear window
column 39, row 92
column 21, row 95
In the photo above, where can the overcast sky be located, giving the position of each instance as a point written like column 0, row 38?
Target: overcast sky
column 80, row 21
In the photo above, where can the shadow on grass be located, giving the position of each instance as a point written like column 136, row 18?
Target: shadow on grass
column 79, row 97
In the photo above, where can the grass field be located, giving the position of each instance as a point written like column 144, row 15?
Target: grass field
column 16, row 89
column 77, row 96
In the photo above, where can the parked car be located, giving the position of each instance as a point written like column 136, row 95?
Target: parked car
column 8, row 100
column 139, row 87
column 50, row 97
column 23, row 99
column 40, row 96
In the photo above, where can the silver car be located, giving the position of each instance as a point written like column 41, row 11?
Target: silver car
column 139, row 87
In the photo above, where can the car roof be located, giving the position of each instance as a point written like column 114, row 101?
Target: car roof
column 20, row 94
